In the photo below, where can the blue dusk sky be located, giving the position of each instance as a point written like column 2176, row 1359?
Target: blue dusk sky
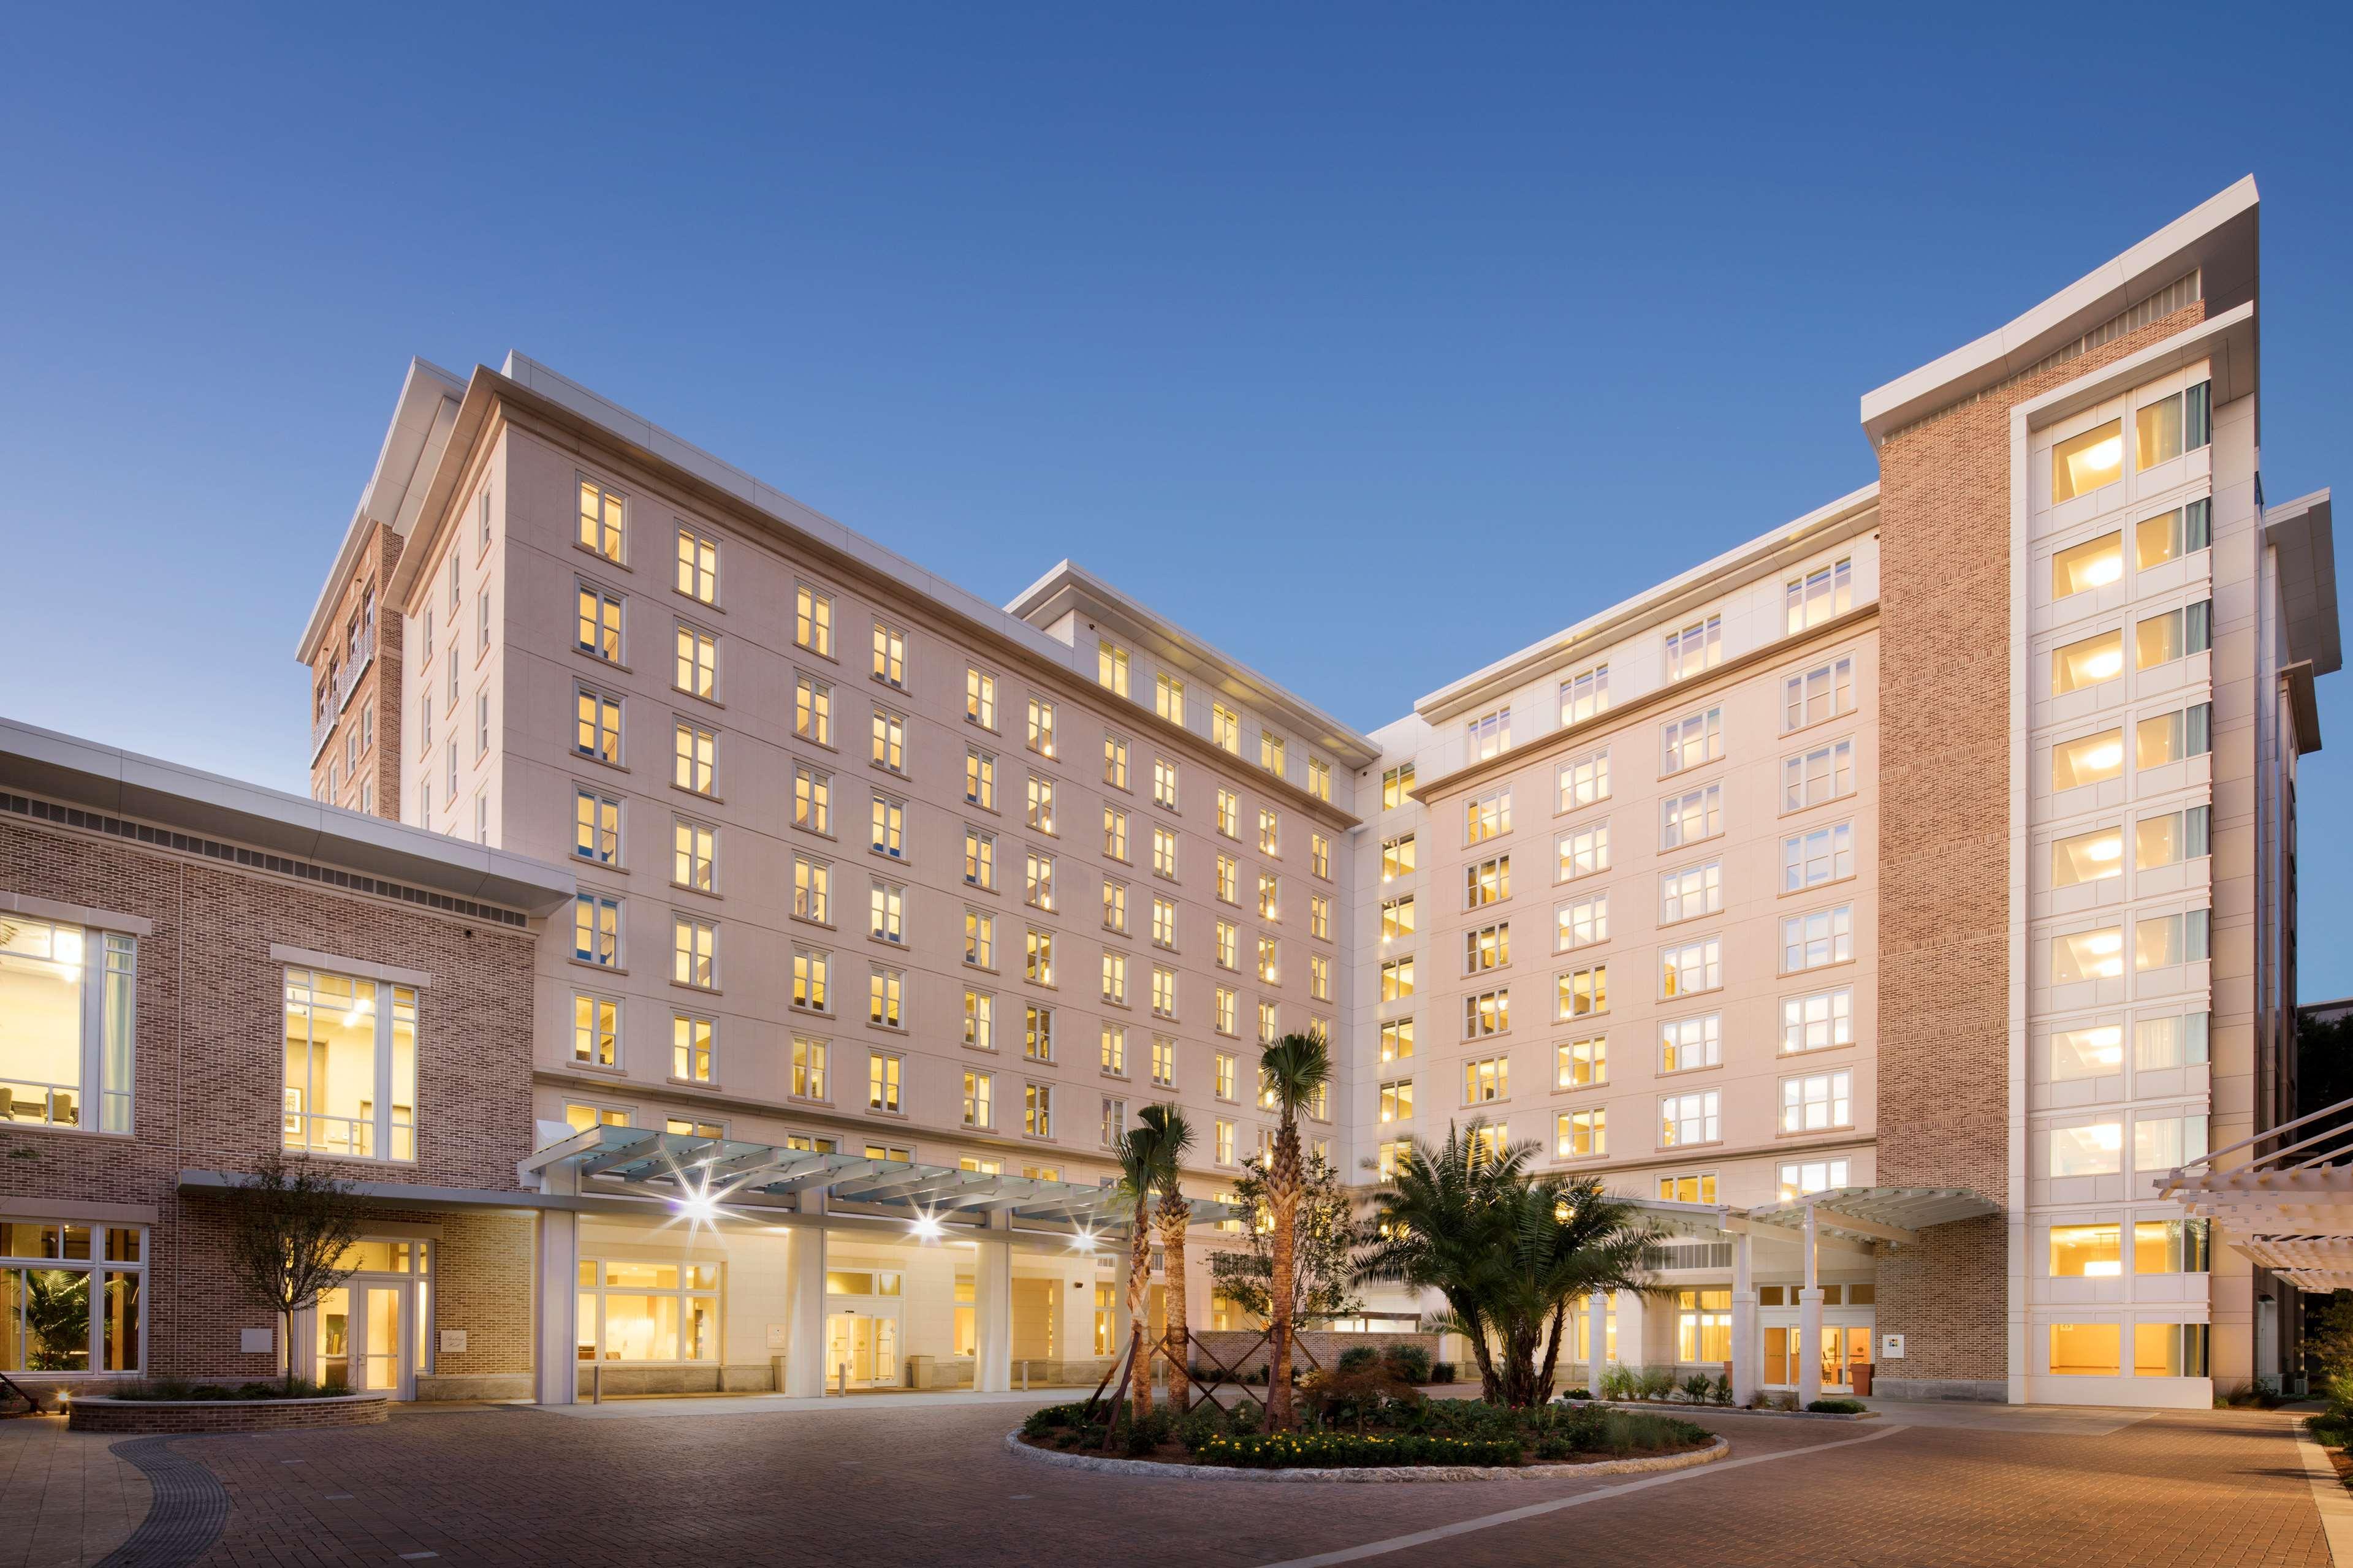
column 1370, row 343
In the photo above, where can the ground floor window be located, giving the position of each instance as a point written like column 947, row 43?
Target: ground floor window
column 1107, row 1314
column 1703, row 1325
column 649, row 1311
column 72, row 1297
column 2169, row 1350
column 2158, row 1350
column 2086, row 1350
column 1583, row 1310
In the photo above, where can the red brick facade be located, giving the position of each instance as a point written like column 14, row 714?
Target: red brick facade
column 366, row 742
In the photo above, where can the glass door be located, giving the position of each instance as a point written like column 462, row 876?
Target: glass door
column 359, row 1343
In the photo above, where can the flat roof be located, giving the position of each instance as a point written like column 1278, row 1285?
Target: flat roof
column 105, row 778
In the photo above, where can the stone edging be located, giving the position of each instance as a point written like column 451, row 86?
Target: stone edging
column 1714, row 1451
column 1657, row 1407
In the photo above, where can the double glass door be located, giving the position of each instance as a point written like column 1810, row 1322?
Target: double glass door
column 363, row 1340
column 863, row 1348
column 1842, row 1346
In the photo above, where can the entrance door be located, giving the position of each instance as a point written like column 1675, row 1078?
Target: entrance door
column 360, row 1343
column 1842, row 1347
column 867, row 1344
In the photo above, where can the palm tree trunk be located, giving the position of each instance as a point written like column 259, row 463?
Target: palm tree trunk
column 1552, row 1350
column 1139, row 1314
column 1176, row 1211
column 1282, row 1185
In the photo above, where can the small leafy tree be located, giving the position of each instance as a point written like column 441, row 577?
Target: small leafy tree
column 290, row 1226
column 1324, row 1272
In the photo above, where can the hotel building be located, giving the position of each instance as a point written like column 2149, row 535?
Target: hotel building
column 1887, row 903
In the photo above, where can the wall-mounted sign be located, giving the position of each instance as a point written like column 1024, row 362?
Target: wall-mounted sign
column 1891, row 1347
column 453, row 1339
column 256, row 1341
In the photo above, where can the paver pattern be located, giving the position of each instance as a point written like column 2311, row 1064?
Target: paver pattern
column 866, row 1482
column 67, row 1500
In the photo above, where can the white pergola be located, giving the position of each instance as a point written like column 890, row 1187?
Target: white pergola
column 2290, row 1209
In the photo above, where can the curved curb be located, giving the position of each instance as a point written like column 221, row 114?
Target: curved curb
column 1404, row 1473
column 188, row 1507
column 1661, row 1407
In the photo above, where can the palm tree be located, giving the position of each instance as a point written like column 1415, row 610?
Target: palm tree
column 1167, row 1124
column 1291, row 1071
column 1142, row 1156
column 1431, row 1230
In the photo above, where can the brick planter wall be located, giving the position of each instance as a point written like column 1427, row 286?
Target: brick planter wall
column 1228, row 1343
column 100, row 1414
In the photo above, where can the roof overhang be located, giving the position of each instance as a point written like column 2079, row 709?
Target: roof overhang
column 421, row 422
column 2302, row 531
column 2217, row 238
column 708, row 1177
column 1891, row 1216
column 101, row 778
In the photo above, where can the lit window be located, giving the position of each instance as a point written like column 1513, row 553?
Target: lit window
column 1584, row 695
column 980, row 1020
column 2170, row 737
column 693, row 951
column 1690, row 819
column 2093, row 857
column 980, row 939
column 1800, row 1178
column 812, row 889
column 1319, row 778
column 1487, row 816
column 1163, row 1061
column 1271, row 752
column 1114, row 760
column 1041, row 727
column 690, row 1048
column 1397, row 1039
column 812, row 979
column 1114, row 905
column 1037, row 1110
column 1688, row 1187
column 980, row 780
column 813, row 710
column 1163, row 783
column 1115, row 1052
column 694, row 854
column 812, row 799
column 887, row 913
column 595, row 1030
column 1688, row 741
column 1038, row 957
column 1037, row 1032
column 350, row 1047
column 1691, row 967
column 1583, row 851
column 1110, row 668
column 2082, row 464
column 1396, row 979
column 1693, row 891
column 1579, row 1064
column 808, row 1068
column 1584, row 780
column 980, row 698
column 890, row 828
column 1487, row 881
column 885, row 992
column 813, row 620
column 698, row 662
column 1582, row 1135
column 1396, row 856
column 1817, row 1101
column 599, row 630
column 1689, row 1118
column 1226, row 727
column 1396, row 1100
column 2094, row 564
column 2088, row 955
column 2176, row 634
column 1696, row 647
column 68, row 996
column 598, row 730
column 697, row 567
column 1489, row 947
column 2095, row 1150
column 1038, row 879
column 1168, row 697
column 2170, row 535
column 600, row 522
column 1164, row 852
column 2168, row 940
column 1488, row 735
column 890, row 742
column 1582, row 991
column 1818, row 596
column 1818, row 1022
column 1229, row 813
column 1581, row 922
column 2097, row 1051
column 597, row 824
column 1396, row 785
column 890, row 655
column 979, row 1096
column 1487, row 1078
column 2171, row 425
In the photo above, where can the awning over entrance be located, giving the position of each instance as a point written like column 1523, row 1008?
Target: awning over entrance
column 698, row 1174
column 1892, row 1214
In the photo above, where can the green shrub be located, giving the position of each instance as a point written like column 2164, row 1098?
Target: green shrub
column 1356, row 1358
column 1441, row 1372
column 180, row 1388
column 1836, row 1407
column 1577, row 1392
column 1243, row 1418
column 1721, row 1390
column 1697, row 1387
column 1657, row 1382
column 1408, row 1363
column 1620, row 1382
column 1053, row 1417
column 2331, row 1430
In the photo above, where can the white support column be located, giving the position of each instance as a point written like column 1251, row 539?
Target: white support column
column 1122, row 1321
column 1746, row 1347
column 1596, row 1340
column 1810, row 1325
column 992, row 1317
column 805, row 1368
column 556, row 1304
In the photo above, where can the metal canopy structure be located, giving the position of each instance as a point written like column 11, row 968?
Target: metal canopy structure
column 2290, row 1208
column 1895, row 1215
column 685, row 1170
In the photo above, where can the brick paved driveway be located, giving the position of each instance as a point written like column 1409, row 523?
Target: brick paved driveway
column 869, row 1484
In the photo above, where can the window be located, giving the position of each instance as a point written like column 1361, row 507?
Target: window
column 1822, row 692
column 1168, row 697
column 1584, row 780
column 595, row 1030
column 2176, row 634
column 598, row 827
column 1824, row 855
column 1487, row 881
column 2089, row 760
column 69, row 999
column 1164, row 852
column 2088, row 955
column 1488, row 1013
column 813, row 710
column 596, row 930
column 697, row 567
column 694, row 854
column 1164, row 922
column 1817, row 1101
column 812, row 889
column 2097, row 1051
column 1697, row 646
column 2170, row 535
column 1693, row 966
column 1489, row 947
column 1797, row 1178
column 1114, row 978
column 1163, row 783
column 885, row 992
column 1041, row 727
column 1115, row 759
column 2094, row 563
column 1221, row 1075
column 1224, row 1141
column 2167, row 1349
column 1115, row 906
column 1229, row 813
column 2082, row 464
column 813, row 620
column 1824, row 937
column 1689, row 819
column 1584, row 695
column 1690, row 1187
column 2172, row 1246
column 2093, row 857
column 980, row 939
column 1037, row 1110
column 979, row 1095
column 1163, row 1061
column 812, row 979
column 1685, row 1044
column 1270, row 752
column 812, row 799
column 2159, row 1043
column 1487, row 1078
column 1115, row 833
column 1487, row 816
column 887, row 912
column 1824, row 773
column 1396, row 856
column 1269, row 833
column 1583, row 991
column 1693, row 891
column 598, row 731
column 1818, row 1022
column 698, row 662
column 1037, row 1032
column 690, row 1048
column 1396, row 1100
column 980, row 780
column 2170, row 737
column 1688, row 741
column 2096, row 1150
column 890, row 655
column 599, row 633
column 2087, row 662
column 1270, row 895
column 1226, row 727
column 1319, row 916
column 2087, row 1350
column 600, row 524
column 1817, row 596
column 1579, row 1064
column 1582, row 1135
column 1396, row 785
column 1037, row 881
column 1488, row 735
column 808, row 1068
column 1397, row 1039
column 1225, row 1009
column 693, row 951
column 890, row 742
column 2171, row 425
column 1688, row 1119
column 890, row 828
column 2169, row 940
column 1110, row 667
column 1267, row 960
column 1704, row 1325
column 1581, row 922
column 351, row 1059
column 1114, row 1050
column 1115, row 1124
column 1319, row 977
column 1228, row 945
column 980, row 1020
column 1319, row 778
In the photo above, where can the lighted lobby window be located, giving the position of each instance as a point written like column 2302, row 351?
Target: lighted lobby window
column 2082, row 464
column 2093, row 565
column 2087, row 663
column 2093, row 857
column 2092, row 760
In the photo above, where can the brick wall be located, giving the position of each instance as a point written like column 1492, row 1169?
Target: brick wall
column 210, row 1066
column 381, row 684
column 1943, row 922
